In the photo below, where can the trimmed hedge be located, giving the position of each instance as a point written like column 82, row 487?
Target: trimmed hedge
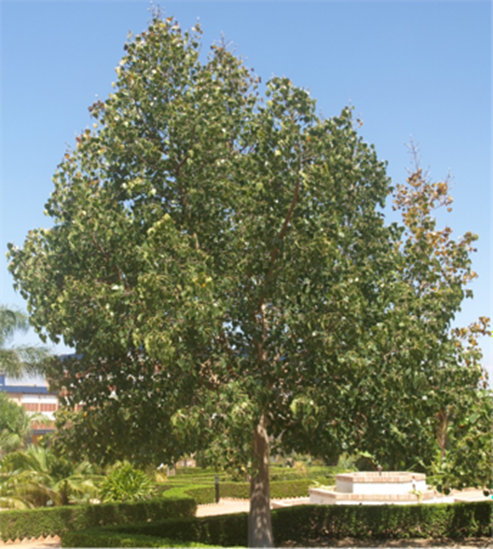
column 99, row 537
column 49, row 521
column 314, row 472
column 278, row 489
column 194, row 471
column 196, row 479
column 207, row 494
column 277, row 473
column 306, row 522
column 290, row 488
column 219, row 531
column 441, row 520
column 199, row 493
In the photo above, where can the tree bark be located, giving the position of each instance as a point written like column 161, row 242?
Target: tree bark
column 259, row 521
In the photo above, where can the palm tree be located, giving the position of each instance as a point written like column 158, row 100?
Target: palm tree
column 15, row 426
column 37, row 477
column 22, row 359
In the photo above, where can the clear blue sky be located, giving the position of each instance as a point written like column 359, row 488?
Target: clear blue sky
column 418, row 68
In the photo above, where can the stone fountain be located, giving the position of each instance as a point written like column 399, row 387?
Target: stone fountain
column 377, row 488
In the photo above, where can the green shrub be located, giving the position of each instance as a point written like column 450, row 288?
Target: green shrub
column 160, row 489
column 307, row 522
column 100, row 537
column 207, row 493
column 125, row 483
column 222, row 530
column 32, row 523
column 195, row 471
column 290, row 489
column 199, row 493
column 277, row 473
column 454, row 520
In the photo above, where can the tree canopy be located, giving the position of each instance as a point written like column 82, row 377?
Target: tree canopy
column 223, row 268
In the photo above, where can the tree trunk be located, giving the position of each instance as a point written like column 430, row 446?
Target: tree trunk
column 259, row 522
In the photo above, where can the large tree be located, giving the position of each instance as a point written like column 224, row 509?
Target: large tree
column 220, row 264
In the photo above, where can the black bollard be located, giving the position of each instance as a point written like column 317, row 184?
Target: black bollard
column 216, row 484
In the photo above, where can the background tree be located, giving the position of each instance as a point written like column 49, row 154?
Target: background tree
column 20, row 360
column 432, row 394
column 220, row 264
column 464, row 456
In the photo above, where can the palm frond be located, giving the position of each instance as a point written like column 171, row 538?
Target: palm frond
column 19, row 360
column 9, row 442
column 37, row 477
column 11, row 321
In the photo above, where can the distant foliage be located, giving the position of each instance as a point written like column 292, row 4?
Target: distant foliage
column 14, row 426
column 38, row 477
column 18, row 360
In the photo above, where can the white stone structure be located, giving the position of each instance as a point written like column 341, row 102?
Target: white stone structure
column 377, row 488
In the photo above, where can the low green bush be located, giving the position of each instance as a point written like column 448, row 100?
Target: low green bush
column 207, row 493
column 161, row 488
column 453, row 520
column 196, row 479
column 100, row 537
column 195, row 471
column 224, row 530
column 217, row 531
column 290, row 488
column 192, row 470
column 277, row 473
column 48, row 521
column 278, row 489
column 199, row 493
column 303, row 523
column 314, row 472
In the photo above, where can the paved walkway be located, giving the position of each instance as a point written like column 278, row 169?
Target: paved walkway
column 469, row 494
column 224, row 507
